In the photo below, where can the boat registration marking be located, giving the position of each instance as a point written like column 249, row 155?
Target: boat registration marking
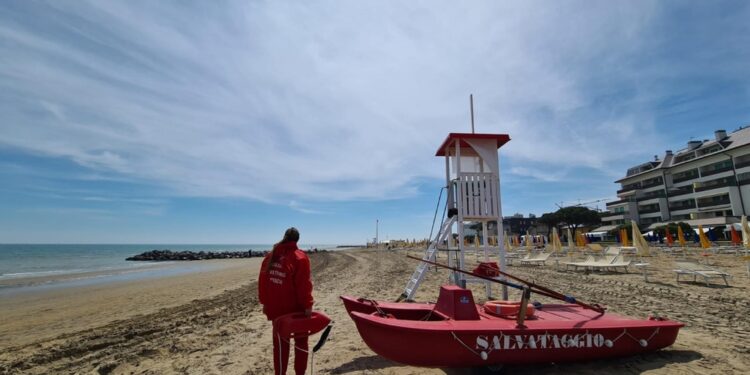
column 543, row 341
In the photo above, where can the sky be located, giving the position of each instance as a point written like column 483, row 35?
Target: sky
column 229, row 121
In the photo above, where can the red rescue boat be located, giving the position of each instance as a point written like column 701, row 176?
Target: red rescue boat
column 456, row 332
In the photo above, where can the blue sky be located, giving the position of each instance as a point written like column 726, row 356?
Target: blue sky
column 226, row 122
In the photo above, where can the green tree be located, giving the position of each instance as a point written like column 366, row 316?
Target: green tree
column 577, row 216
column 549, row 219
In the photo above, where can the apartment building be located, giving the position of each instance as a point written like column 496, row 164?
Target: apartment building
column 707, row 183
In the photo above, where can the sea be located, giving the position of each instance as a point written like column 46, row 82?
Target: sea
column 32, row 267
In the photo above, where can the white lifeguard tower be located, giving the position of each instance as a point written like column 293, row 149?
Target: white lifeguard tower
column 472, row 172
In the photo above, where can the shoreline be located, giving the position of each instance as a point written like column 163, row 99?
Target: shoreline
column 46, row 310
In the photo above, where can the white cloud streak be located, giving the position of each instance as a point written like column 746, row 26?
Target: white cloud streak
column 293, row 102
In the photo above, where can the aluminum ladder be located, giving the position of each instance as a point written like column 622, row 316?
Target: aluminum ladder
column 418, row 275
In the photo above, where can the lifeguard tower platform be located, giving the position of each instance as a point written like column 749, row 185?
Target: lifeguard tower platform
column 474, row 216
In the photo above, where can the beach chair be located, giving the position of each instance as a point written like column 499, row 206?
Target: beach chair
column 696, row 269
column 595, row 248
column 608, row 261
column 612, row 250
column 612, row 262
column 538, row 259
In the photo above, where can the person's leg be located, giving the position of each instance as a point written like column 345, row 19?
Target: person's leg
column 300, row 355
column 280, row 354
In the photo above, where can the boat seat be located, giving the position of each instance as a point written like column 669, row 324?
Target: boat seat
column 456, row 303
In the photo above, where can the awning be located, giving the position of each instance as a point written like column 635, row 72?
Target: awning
column 706, row 223
column 605, row 228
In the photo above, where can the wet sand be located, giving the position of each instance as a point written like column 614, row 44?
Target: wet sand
column 213, row 323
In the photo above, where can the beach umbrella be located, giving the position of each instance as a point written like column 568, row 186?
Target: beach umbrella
column 680, row 236
column 735, row 236
column 696, row 237
column 507, row 242
column 670, row 240
column 702, row 238
column 570, row 239
column 745, row 231
column 617, row 237
column 529, row 241
column 639, row 242
column 624, row 236
column 555, row 243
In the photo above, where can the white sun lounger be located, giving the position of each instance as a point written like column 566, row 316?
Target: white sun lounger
column 609, row 261
column 696, row 269
column 539, row 259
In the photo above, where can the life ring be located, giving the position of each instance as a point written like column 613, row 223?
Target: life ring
column 507, row 308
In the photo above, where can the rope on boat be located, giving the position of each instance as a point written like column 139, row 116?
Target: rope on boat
column 483, row 355
column 641, row 342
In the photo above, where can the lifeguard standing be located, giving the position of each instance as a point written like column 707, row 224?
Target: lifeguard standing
column 474, row 210
column 284, row 286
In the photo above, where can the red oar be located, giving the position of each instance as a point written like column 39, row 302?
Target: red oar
column 535, row 288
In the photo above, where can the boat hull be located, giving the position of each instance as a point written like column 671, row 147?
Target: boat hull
column 557, row 333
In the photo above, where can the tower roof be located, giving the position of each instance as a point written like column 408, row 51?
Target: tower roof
column 462, row 137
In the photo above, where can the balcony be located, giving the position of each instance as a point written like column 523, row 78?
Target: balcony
column 648, row 209
column 628, row 188
column 713, row 201
column 617, row 216
column 681, row 191
column 743, row 178
column 714, row 184
column 651, row 195
column 682, row 205
column 615, row 203
column 685, row 176
column 742, row 162
column 645, row 185
column 716, row 170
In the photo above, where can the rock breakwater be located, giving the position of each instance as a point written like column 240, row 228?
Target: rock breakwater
column 157, row 255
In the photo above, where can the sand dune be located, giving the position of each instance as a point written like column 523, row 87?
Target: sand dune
column 206, row 330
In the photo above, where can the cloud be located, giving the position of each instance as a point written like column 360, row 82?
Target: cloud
column 280, row 102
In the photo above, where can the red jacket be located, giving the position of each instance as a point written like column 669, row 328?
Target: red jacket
column 285, row 287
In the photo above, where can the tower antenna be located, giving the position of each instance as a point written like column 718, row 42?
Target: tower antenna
column 471, row 106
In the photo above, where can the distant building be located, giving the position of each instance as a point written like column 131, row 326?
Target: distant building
column 517, row 224
column 707, row 183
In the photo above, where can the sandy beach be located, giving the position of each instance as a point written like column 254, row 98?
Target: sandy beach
column 210, row 322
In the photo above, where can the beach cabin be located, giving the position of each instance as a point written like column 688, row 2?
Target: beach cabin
column 472, row 177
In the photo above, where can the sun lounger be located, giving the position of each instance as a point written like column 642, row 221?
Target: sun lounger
column 697, row 269
column 609, row 261
column 539, row 258
column 612, row 250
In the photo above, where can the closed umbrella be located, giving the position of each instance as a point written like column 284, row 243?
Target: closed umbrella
column 556, row 244
column 670, row 240
column 680, row 236
column 639, row 242
column 735, row 236
column 702, row 238
column 624, row 236
column 571, row 245
column 529, row 243
column 745, row 232
column 507, row 242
